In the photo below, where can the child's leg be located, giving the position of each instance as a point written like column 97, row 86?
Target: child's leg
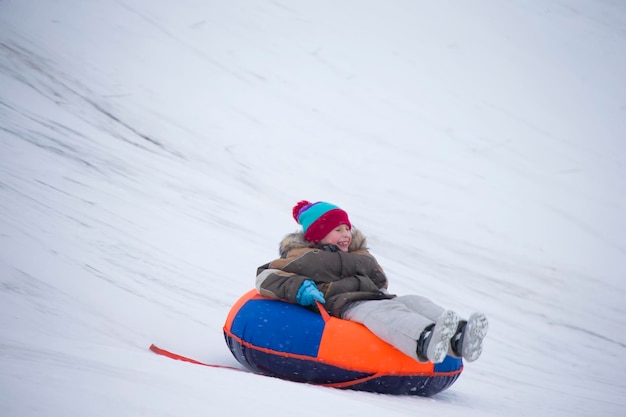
column 392, row 321
column 422, row 306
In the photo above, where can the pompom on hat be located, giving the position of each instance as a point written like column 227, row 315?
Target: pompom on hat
column 318, row 219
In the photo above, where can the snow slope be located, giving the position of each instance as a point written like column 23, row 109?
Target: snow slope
column 151, row 151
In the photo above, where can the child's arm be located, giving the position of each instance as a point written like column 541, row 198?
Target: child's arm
column 278, row 284
column 373, row 269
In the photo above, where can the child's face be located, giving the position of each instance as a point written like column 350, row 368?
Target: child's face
column 340, row 236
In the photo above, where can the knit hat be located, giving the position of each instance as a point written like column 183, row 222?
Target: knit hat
column 318, row 219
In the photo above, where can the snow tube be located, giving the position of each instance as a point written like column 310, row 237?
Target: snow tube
column 288, row 341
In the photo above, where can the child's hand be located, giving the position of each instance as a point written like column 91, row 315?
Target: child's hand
column 308, row 294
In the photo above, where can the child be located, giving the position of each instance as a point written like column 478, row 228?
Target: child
column 329, row 262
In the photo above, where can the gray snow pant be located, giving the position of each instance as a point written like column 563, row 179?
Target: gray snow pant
column 399, row 321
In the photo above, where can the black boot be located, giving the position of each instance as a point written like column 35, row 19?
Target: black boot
column 434, row 342
column 456, row 343
column 422, row 343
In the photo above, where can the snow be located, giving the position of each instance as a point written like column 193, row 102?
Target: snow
column 151, row 151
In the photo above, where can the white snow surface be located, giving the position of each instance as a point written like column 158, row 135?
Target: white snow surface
column 151, row 152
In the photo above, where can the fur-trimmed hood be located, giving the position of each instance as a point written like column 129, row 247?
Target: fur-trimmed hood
column 296, row 240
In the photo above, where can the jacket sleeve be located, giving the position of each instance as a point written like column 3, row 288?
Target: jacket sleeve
column 278, row 284
column 368, row 265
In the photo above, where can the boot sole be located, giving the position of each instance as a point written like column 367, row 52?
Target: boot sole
column 444, row 329
column 475, row 332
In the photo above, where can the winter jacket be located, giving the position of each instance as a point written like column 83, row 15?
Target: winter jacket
column 343, row 277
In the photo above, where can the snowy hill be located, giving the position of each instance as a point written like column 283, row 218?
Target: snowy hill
column 151, row 152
